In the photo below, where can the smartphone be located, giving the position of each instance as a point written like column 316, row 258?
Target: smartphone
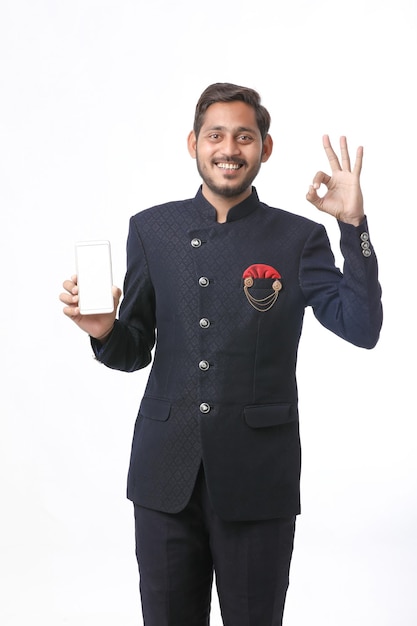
column 95, row 277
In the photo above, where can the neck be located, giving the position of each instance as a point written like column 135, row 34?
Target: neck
column 223, row 204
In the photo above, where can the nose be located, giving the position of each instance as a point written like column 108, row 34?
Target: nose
column 230, row 146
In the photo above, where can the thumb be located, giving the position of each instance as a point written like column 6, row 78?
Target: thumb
column 312, row 195
column 117, row 293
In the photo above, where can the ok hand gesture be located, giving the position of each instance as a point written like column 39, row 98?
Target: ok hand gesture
column 343, row 198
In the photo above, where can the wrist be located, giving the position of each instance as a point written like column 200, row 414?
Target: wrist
column 102, row 338
column 354, row 221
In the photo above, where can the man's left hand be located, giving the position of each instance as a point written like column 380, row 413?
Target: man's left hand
column 344, row 198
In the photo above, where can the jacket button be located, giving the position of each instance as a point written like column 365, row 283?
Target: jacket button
column 364, row 236
column 196, row 243
column 204, row 407
column 204, row 322
column 203, row 281
column 204, row 365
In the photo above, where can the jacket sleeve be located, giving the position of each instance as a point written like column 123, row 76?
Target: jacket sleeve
column 130, row 344
column 348, row 303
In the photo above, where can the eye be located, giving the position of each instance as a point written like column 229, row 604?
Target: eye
column 214, row 136
column 244, row 138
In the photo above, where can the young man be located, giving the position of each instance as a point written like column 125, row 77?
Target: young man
column 225, row 279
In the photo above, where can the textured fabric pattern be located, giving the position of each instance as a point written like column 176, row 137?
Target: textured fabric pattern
column 222, row 388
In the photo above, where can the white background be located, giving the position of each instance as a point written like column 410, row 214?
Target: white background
column 96, row 101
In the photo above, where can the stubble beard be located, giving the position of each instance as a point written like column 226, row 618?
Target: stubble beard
column 228, row 190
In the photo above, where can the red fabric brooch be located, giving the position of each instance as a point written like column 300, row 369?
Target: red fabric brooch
column 262, row 271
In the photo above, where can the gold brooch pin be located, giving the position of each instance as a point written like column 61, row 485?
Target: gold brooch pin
column 260, row 270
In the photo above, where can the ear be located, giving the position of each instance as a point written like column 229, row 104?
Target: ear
column 192, row 144
column 267, row 148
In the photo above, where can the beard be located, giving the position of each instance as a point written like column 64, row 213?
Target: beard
column 229, row 189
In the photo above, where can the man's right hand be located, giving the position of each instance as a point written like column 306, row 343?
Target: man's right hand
column 97, row 326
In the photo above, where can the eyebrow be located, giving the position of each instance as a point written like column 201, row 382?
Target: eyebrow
column 240, row 129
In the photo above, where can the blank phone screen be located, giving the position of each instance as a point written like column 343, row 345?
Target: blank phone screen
column 94, row 272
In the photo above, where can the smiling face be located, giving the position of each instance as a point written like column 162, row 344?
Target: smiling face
column 229, row 151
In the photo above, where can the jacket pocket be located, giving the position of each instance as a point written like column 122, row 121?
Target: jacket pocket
column 155, row 408
column 264, row 415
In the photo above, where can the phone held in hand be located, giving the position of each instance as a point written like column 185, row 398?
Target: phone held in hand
column 94, row 276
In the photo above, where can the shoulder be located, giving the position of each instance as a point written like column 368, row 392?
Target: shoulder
column 161, row 211
column 289, row 220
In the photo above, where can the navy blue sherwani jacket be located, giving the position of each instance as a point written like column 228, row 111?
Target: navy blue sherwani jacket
column 225, row 303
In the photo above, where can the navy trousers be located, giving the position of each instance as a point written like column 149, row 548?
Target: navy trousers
column 178, row 553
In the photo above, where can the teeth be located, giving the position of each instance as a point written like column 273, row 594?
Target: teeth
column 228, row 166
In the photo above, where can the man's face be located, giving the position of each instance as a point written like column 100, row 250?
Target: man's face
column 229, row 150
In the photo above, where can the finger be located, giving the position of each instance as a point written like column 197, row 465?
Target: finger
column 117, row 292
column 69, row 299
column 312, row 194
column 331, row 154
column 313, row 197
column 71, row 311
column 321, row 178
column 345, row 154
column 71, row 285
column 357, row 168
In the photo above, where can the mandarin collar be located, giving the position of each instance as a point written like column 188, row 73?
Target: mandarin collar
column 244, row 208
